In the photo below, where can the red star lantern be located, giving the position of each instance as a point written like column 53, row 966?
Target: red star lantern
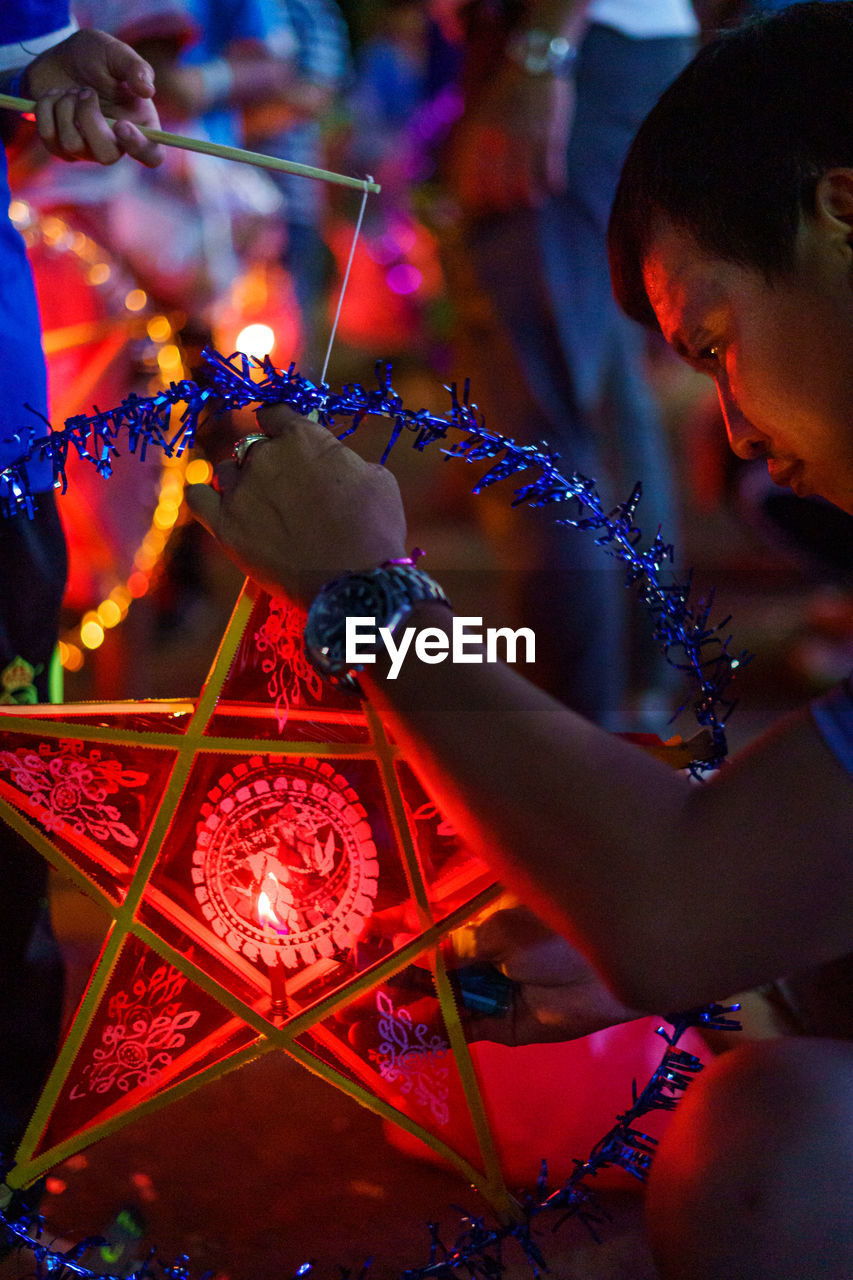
column 275, row 879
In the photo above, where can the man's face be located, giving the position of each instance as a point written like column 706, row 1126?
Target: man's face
column 780, row 353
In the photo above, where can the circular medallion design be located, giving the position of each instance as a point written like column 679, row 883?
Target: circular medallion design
column 285, row 866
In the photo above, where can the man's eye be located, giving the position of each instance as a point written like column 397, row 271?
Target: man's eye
column 709, row 355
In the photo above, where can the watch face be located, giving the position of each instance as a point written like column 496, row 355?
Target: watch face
column 357, row 596
column 284, row 858
column 386, row 595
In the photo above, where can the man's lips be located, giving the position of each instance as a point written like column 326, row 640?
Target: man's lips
column 788, row 475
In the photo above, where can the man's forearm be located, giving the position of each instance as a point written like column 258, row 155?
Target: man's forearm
column 678, row 893
column 538, row 791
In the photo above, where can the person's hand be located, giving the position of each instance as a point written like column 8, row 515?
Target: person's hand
column 509, row 147
column 302, row 508
column 558, row 995
column 80, row 82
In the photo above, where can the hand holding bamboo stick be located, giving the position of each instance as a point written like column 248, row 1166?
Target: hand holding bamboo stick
column 74, row 80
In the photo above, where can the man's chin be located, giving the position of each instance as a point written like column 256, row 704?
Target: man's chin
column 838, row 496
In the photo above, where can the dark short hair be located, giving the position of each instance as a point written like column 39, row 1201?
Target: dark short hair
column 733, row 150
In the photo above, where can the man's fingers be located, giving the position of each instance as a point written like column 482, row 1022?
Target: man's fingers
column 92, row 127
column 69, row 139
column 204, row 502
column 126, row 66
column 485, row 1027
column 279, row 419
column 141, row 79
column 225, row 476
column 46, row 120
column 299, row 440
column 135, row 144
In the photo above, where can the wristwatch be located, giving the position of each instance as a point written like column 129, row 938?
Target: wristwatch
column 539, row 53
column 386, row 595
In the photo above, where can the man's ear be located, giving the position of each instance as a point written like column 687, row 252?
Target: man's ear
column 833, row 207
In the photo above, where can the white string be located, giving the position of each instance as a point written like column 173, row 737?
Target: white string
column 345, row 279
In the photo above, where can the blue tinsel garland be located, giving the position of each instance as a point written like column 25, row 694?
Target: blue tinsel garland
column 679, row 627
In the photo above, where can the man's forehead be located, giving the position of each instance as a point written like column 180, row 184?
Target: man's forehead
column 681, row 281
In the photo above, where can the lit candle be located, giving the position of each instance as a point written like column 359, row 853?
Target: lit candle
column 275, row 929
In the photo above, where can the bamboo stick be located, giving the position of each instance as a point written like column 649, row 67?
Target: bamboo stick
column 207, row 148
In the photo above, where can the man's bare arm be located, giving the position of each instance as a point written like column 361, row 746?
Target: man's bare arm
column 678, row 893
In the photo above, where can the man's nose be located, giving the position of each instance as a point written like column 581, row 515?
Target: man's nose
column 745, row 439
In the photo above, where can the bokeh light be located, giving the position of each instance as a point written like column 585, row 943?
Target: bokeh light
column 159, row 328
column 404, row 278
column 91, row 631
column 199, row 471
column 256, row 340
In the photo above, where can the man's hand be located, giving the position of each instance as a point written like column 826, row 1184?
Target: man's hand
column 302, row 508
column 558, row 995
column 79, row 82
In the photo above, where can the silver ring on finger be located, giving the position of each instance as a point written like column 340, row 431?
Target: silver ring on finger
column 241, row 449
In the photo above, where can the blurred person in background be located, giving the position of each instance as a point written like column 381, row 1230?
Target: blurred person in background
column 554, row 92
column 310, row 39
column 197, row 234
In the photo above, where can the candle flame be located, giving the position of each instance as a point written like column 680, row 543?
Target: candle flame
column 266, row 912
column 266, row 915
